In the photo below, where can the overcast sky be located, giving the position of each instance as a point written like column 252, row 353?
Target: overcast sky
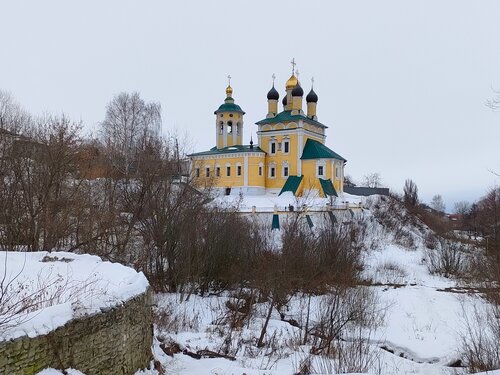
column 401, row 84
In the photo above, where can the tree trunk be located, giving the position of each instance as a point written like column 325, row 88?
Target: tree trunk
column 260, row 343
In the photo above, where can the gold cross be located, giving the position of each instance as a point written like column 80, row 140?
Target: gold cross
column 312, row 81
column 229, row 80
column 274, row 77
column 293, row 65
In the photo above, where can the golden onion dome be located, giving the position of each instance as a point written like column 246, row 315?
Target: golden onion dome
column 292, row 82
column 229, row 91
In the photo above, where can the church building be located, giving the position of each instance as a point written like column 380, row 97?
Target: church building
column 291, row 154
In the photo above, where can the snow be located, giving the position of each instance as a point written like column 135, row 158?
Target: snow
column 66, row 285
column 51, row 371
column 420, row 334
column 270, row 202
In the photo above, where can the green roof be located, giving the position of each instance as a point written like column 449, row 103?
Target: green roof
column 286, row 116
column 328, row 188
column 229, row 107
column 229, row 150
column 317, row 150
column 292, row 184
column 276, row 222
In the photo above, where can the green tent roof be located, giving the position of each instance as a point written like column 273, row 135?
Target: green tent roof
column 292, row 184
column 328, row 188
column 229, row 107
column 286, row 116
column 229, row 150
column 317, row 150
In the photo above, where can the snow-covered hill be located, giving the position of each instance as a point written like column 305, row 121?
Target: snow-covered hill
column 421, row 330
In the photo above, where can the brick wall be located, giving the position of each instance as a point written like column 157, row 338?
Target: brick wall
column 117, row 341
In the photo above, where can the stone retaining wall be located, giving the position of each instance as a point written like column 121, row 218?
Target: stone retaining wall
column 115, row 342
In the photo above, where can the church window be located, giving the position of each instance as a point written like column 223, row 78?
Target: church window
column 207, row 172
column 286, row 147
column 217, row 171
column 221, row 129
column 320, row 170
column 238, row 170
column 273, row 147
column 260, row 170
column 197, row 172
column 230, row 115
column 273, row 172
column 285, row 171
column 337, row 171
column 229, row 127
column 228, row 171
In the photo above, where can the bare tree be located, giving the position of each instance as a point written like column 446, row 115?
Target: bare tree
column 462, row 207
column 410, row 193
column 437, row 203
column 129, row 124
column 41, row 190
column 372, row 180
column 12, row 117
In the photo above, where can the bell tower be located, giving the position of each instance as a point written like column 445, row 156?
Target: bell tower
column 229, row 121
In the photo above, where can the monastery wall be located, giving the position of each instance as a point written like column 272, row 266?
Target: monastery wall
column 114, row 342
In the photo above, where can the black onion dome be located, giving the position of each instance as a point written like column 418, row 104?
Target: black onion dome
column 273, row 94
column 312, row 97
column 284, row 100
column 297, row 91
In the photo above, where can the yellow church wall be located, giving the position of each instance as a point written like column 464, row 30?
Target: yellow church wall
column 279, row 159
column 233, row 179
column 254, row 179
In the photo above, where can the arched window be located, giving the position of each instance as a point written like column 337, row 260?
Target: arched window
column 285, row 169
column 230, row 127
column 272, row 170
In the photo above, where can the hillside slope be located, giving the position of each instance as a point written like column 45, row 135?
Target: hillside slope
column 422, row 315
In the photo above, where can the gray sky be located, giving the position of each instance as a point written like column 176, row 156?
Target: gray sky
column 401, row 84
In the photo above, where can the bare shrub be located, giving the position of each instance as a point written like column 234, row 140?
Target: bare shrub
column 342, row 313
column 447, row 260
column 391, row 272
column 354, row 356
column 391, row 213
column 174, row 318
column 479, row 342
column 431, row 241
